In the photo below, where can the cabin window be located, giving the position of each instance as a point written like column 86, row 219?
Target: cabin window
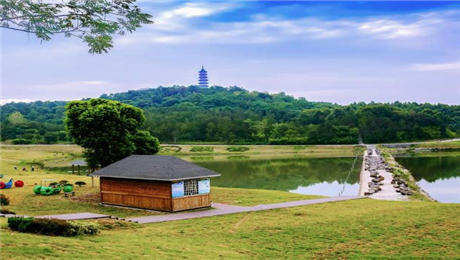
column 190, row 187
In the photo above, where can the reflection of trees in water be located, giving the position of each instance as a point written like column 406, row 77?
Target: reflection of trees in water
column 282, row 174
column 432, row 168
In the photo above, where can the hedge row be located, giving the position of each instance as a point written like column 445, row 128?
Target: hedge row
column 202, row 149
column 237, row 149
column 53, row 227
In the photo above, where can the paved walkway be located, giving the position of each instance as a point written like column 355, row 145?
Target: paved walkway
column 223, row 209
column 73, row 216
column 76, row 216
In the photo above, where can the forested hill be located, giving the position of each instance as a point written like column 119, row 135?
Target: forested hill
column 234, row 115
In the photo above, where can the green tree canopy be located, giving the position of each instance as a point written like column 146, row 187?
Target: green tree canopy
column 16, row 118
column 107, row 130
column 93, row 21
column 237, row 116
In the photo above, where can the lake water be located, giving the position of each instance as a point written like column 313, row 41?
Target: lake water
column 319, row 176
column 439, row 176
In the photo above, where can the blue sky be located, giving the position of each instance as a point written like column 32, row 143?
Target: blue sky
column 340, row 52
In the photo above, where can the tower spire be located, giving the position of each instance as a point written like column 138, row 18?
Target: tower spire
column 203, row 77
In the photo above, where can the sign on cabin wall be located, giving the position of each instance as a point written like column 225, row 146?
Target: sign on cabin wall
column 204, row 186
column 178, row 189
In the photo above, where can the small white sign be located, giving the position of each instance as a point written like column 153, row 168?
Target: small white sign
column 204, row 186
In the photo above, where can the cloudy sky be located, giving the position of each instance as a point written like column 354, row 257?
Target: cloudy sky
column 339, row 52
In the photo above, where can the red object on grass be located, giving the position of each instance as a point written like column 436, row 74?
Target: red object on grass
column 2, row 185
column 18, row 184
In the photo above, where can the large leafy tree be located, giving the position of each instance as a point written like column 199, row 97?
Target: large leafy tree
column 108, row 130
column 93, row 21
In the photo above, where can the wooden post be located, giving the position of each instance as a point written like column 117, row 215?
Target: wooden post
column 92, row 181
column 73, row 169
column 78, row 167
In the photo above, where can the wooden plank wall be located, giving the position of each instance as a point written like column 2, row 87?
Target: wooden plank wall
column 191, row 202
column 136, row 193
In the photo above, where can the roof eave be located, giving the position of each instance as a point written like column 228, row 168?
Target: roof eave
column 150, row 179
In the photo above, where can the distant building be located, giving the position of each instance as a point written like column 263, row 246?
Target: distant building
column 203, row 77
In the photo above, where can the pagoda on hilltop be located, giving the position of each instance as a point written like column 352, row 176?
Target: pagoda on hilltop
column 203, row 78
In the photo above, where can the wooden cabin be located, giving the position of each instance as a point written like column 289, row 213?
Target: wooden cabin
column 157, row 182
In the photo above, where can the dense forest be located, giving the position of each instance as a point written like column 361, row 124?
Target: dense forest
column 235, row 116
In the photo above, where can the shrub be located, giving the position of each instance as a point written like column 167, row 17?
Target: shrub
column 5, row 211
column 56, row 227
column 4, row 200
column 170, row 148
column 202, row 149
column 21, row 141
column 85, row 228
column 237, row 149
column 80, row 183
column 14, row 223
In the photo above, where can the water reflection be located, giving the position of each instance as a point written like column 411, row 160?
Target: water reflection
column 321, row 176
column 439, row 176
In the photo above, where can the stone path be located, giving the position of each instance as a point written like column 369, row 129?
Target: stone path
column 223, row 209
column 388, row 192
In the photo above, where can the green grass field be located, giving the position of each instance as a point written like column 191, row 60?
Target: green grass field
column 361, row 229
column 439, row 145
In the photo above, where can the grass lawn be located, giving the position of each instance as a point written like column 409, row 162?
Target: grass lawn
column 359, row 229
column 312, row 150
column 363, row 229
column 439, row 145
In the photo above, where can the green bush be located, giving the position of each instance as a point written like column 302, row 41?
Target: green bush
column 80, row 183
column 21, row 141
column 237, row 148
column 202, row 149
column 171, row 148
column 53, row 227
column 4, row 200
column 5, row 211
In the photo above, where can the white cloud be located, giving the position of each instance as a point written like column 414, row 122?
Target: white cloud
column 71, row 90
column 91, row 84
column 11, row 100
column 190, row 10
column 176, row 27
column 436, row 66
column 390, row 29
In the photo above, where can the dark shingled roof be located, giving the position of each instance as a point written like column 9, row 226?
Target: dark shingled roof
column 154, row 167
